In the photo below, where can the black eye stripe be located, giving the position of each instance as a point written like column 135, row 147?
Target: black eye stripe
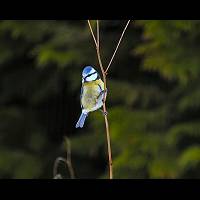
column 90, row 75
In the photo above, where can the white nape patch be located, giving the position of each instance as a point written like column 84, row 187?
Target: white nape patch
column 92, row 77
column 92, row 71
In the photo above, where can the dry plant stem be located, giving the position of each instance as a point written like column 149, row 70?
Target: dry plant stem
column 66, row 161
column 117, row 46
column 98, row 34
column 71, row 170
column 105, row 117
column 58, row 160
column 104, row 73
column 104, row 99
column 56, row 163
column 92, row 33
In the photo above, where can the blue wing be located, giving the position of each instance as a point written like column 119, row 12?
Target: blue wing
column 101, row 94
column 81, row 96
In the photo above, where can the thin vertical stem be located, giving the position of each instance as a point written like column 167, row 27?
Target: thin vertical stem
column 69, row 161
column 66, row 161
column 92, row 32
column 104, row 73
column 117, row 45
column 98, row 44
column 104, row 99
column 106, row 119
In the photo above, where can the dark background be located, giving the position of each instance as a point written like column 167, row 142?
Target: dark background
column 153, row 101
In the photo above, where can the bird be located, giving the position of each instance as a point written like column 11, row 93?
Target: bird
column 92, row 93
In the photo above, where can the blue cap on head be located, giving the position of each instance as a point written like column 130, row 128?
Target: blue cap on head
column 87, row 70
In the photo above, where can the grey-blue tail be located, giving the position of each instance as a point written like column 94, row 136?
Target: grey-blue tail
column 81, row 120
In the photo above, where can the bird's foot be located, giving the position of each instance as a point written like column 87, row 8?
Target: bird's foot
column 104, row 113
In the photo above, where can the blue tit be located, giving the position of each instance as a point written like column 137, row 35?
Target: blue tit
column 92, row 93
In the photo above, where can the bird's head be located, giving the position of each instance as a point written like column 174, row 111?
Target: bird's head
column 89, row 74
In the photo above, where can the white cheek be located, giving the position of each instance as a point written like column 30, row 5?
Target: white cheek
column 92, row 77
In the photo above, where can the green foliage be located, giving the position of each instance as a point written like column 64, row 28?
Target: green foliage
column 172, row 48
column 153, row 99
column 190, row 157
column 35, row 57
column 20, row 164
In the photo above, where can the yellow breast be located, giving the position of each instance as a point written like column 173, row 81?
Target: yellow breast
column 91, row 91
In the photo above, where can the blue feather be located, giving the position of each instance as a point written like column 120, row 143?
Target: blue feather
column 81, row 120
